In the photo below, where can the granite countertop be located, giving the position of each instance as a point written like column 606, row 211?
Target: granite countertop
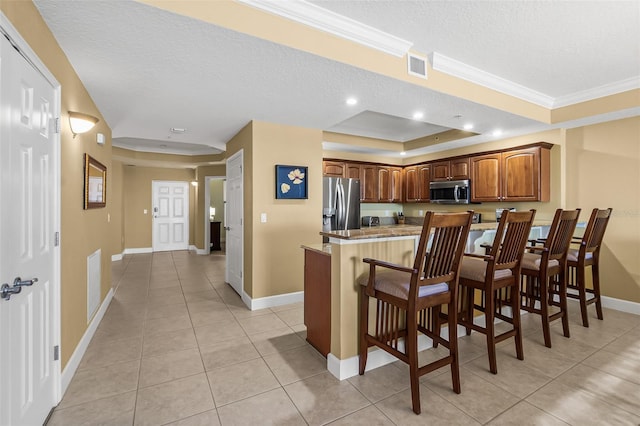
column 322, row 248
column 390, row 231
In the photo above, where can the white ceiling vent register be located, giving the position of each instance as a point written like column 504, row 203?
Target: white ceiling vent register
column 417, row 65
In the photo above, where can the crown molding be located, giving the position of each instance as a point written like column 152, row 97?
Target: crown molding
column 461, row 70
column 325, row 20
column 598, row 92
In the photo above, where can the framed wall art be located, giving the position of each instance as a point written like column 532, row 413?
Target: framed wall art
column 95, row 183
column 291, row 182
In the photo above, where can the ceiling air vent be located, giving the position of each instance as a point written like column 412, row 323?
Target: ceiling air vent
column 417, row 65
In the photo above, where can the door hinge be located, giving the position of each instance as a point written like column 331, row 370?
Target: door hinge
column 57, row 125
column 56, row 239
column 56, row 353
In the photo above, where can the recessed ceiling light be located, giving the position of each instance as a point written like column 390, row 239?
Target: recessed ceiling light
column 418, row 115
column 178, row 130
column 352, row 101
column 468, row 126
column 497, row 132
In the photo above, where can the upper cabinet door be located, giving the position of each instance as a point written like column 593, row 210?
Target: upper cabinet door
column 352, row 171
column 369, row 183
column 384, row 185
column 424, row 177
column 440, row 171
column 486, row 178
column 521, row 175
column 459, row 169
column 333, row 168
column 396, row 185
column 411, row 184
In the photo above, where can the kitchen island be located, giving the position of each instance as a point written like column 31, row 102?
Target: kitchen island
column 344, row 254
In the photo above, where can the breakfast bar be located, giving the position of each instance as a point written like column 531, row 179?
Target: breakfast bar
column 343, row 254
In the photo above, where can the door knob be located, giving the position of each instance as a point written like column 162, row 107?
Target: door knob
column 19, row 283
column 7, row 290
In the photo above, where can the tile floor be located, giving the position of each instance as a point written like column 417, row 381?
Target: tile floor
column 177, row 346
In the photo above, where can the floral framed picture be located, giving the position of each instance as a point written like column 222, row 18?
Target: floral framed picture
column 291, row 182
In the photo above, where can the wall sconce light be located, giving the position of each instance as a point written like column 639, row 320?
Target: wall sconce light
column 81, row 123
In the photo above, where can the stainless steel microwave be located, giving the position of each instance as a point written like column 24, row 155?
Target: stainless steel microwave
column 450, row 192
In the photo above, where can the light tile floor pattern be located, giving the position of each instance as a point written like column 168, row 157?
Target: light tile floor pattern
column 177, row 346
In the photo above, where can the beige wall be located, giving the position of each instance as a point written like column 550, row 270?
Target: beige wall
column 603, row 170
column 278, row 265
column 275, row 262
column 138, row 197
column 117, row 217
column 82, row 231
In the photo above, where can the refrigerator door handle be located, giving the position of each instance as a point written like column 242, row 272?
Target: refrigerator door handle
column 340, row 206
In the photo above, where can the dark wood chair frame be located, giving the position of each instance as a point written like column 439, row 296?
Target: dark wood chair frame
column 505, row 254
column 399, row 320
column 549, row 282
column 589, row 243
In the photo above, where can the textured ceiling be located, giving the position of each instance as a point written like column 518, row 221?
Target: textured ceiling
column 149, row 70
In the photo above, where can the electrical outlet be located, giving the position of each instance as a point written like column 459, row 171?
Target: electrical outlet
column 145, row 211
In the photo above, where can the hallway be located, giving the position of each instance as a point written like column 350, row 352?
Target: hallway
column 178, row 345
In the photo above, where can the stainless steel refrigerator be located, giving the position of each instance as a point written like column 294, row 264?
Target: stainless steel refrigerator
column 340, row 204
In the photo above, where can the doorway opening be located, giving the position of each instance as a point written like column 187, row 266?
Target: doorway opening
column 215, row 201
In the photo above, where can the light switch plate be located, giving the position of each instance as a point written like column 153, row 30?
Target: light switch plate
column 263, row 217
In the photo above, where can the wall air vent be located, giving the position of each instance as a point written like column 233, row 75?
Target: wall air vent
column 417, row 65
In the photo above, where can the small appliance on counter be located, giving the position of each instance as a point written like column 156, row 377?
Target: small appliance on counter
column 370, row 221
column 499, row 212
column 477, row 218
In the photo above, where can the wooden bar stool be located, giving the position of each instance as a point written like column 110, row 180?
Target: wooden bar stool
column 544, row 273
column 497, row 277
column 409, row 299
column 588, row 255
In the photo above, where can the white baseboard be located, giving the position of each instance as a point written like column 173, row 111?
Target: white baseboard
column 78, row 353
column 272, row 301
column 344, row 368
column 621, row 305
column 138, row 250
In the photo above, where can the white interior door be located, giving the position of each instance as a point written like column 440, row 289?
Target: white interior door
column 234, row 222
column 170, row 215
column 28, row 160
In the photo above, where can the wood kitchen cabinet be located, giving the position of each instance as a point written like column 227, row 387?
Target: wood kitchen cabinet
column 317, row 299
column 456, row 169
column 369, row 183
column 352, row 170
column 389, row 184
column 333, row 168
column 416, row 183
column 514, row 175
